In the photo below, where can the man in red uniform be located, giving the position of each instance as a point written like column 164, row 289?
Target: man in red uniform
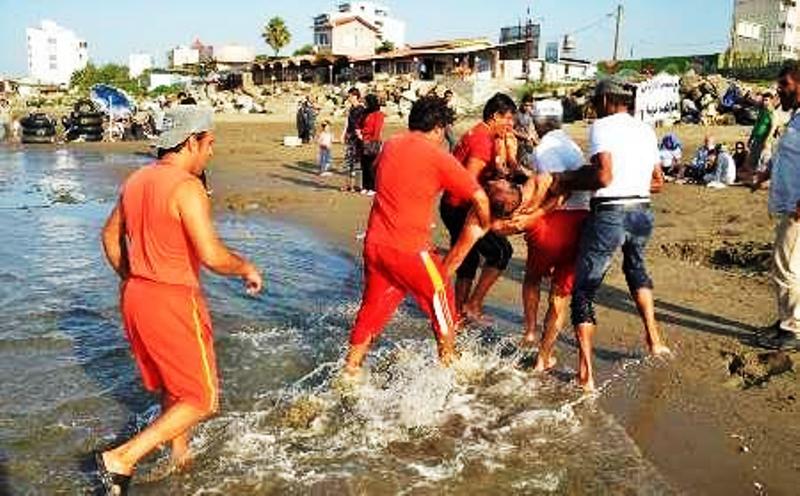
column 478, row 155
column 156, row 238
column 412, row 171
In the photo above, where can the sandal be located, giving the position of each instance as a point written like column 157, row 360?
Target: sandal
column 114, row 484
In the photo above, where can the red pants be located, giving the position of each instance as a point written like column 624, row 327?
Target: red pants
column 169, row 329
column 389, row 275
column 553, row 248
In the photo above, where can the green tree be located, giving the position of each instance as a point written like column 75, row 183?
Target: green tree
column 276, row 34
column 113, row 74
column 385, row 47
column 304, row 50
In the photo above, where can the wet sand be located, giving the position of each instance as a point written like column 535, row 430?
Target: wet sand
column 720, row 418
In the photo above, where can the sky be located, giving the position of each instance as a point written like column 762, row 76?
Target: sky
column 116, row 28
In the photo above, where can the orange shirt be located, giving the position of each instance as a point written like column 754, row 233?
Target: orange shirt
column 158, row 247
column 412, row 172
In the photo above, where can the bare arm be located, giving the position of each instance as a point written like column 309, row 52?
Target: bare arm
column 113, row 242
column 592, row 177
column 480, row 208
column 194, row 208
column 470, row 235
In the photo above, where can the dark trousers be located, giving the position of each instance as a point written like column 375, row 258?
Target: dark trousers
column 496, row 250
column 368, row 172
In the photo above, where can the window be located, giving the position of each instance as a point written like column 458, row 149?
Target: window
column 51, row 41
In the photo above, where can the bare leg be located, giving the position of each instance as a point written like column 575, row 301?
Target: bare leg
column 530, row 305
column 474, row 306
column 180, row 455
column 584, row 333
column 462, row 290
column 553, row 321
column 446, row 347
column 644, row 303
column 173, row 423
column 355, row 357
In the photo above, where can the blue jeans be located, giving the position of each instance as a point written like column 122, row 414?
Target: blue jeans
column 604, row 232
column 324, row 159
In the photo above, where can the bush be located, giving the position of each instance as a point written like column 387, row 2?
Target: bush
column 111, row 74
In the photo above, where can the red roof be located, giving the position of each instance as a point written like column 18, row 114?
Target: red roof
column 346, row 20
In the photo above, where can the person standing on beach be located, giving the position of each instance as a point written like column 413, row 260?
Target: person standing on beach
column 784, row 203
column 478, row 155
column 413, row 170
column 325, row 142
column 351, row 137
column 371, row 128
column 625, row 168
column 156, row 238
column 525, row 131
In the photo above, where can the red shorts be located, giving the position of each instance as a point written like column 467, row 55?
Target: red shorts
column 553, row 248
column 169, row 329
column 390, row 274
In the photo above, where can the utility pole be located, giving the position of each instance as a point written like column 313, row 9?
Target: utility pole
column 528, row 46
column 616, row 34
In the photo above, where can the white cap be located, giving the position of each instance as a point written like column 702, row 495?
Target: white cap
column 548, row 108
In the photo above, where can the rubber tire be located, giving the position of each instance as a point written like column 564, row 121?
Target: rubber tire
column 39, row 131
column 89, row 129
column 38, row 140
column 88, row 120
column 85, row 107
column 35, row 121
column 91, row 137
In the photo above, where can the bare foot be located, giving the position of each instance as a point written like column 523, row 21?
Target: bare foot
column 528, row 340
column 114, row 465
column 182, row 461
column 542, row 366
column 660, row 350
column 587, row 385
column 476, row 315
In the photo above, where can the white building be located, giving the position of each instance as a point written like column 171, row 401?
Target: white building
column 181, row 56
column 232, row 57
column 374, row 16
column 138, row 63
column 768, row 30
column 54, row 53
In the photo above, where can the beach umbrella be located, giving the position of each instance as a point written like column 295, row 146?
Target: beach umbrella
column 111, row 100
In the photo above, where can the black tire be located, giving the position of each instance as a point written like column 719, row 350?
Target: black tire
column 38, row 139
column 88, row 120
column 85, row 107
column 91, row 137
column 89, row 129
column 38, row 131
column 34, row 121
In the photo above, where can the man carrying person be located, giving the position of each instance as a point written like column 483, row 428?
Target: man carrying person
column 784, row 203
column 624, row 170
column 351, row 137
column 412, row 171
column 156, row 238
column 477, row 153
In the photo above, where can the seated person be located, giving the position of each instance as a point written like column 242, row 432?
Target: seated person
column 703, row 161
column 722, row 169
column 671, row 153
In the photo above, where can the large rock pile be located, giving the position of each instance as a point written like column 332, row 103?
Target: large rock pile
column 716, row 100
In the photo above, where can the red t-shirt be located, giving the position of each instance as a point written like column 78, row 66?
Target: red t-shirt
column 372, row 127
column 412, row 172
column 477, row 143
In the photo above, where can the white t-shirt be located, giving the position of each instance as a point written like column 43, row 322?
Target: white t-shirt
column 325, row 139
column 634, row 153
column 558, row 153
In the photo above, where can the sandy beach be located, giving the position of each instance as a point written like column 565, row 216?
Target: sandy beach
column 718, row 418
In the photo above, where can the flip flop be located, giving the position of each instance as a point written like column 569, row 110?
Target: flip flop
column 114, row 484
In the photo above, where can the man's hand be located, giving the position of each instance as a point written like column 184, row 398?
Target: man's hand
column 252, row 280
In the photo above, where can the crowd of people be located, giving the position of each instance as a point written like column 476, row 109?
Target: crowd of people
column 516, row 172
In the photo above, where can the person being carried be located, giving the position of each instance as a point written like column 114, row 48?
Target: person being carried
column 413, row 170
column 156, row 238
column 478, row 155
column 625, row 168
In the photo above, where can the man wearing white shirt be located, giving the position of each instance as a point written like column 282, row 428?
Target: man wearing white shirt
column 784, row 203
column 625, row 167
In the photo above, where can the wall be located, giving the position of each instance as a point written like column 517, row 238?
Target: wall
column 54, row 53
column 353, row 39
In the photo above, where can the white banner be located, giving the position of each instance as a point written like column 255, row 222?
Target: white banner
column 658, row 99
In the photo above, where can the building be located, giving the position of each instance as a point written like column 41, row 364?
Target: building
column 54, row 53
column 766, row 30
column 205, row 52
column 234, row 57
column 349, row 30
column 138, row 63
column 182, row 56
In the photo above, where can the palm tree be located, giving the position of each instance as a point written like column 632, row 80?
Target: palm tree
column 276, row 34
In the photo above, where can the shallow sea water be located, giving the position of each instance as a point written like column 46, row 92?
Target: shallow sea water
column 288, row 423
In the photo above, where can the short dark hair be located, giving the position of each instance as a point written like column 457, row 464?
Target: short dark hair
column 354, row 91
column 371, row 103
column 430, row 112
column 527, row 98
column 500, row 103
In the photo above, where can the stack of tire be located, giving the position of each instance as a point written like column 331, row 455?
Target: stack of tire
column 37, row 127
column 85, row 123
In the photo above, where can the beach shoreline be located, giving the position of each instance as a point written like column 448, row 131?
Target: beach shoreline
column 718, row 418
